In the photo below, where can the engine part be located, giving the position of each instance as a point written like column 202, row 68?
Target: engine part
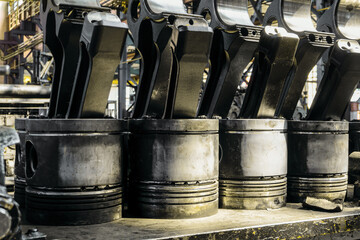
column 295, row 17
column 342, row 19
column 273, row 61
column 10, row 216
column 354, row 137
column 74, row 171
column 20, row 179
column 234, row 43
column 175, row 175
column 340, row 80
column 175, row 50
column 62, row 24
column 102, row 40
column 253, row 164
column 318, row 160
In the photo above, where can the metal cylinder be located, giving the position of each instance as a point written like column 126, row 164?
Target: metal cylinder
column 175, row 173
column 24, row 91
column 253, row 164
column 73, row 171
column 354, row 137
column 4, row 70
column 318, row 160
column 20, row 181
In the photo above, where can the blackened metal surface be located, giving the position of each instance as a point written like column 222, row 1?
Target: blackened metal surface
column 273, row 61
column 234, row 42
column 317, row 148
column 20, row 181
column 73, row 206
column 175, row 49
column 62, row 23
column 74, row 167
column 340, row 80
column 176, row 173
column 102, row 39
column 354, row 137
column 318, row 160
column 193, row 44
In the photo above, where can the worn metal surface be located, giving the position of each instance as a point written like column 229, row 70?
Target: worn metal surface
column 102, row 39
column 317, row 148
column 20, row 181
column 290, row 222
column 176, row 173
column 253, row 163
column 317, row 152
column 340, row 80
column 234, row 43
column 273, row 61
column 354, row 137
column 330, row 187
column 343, row 19
column 62, row 24
column 295, row 16
column 253, row 193
column 74, row 161
column 172, row 68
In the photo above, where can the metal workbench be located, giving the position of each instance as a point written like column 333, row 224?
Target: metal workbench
column 291, row 222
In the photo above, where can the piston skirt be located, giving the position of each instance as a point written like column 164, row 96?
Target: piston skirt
column 332, row 188
column 175, row 175
column 253, row 165
column 318, row 160
column 20, row 181
column 73, row 171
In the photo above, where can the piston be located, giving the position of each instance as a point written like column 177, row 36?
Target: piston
column 318, row 160
column 20, row 181
column 73, row 170
column 354, row 137
column 253, row 164
column 175, row 175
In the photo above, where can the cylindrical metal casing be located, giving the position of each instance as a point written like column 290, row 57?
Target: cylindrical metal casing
column 354, row 137
column 174, row 174
column 20, row 181
column 253, row 164
column 74, row 171
column 318, row 160
column 5, row 70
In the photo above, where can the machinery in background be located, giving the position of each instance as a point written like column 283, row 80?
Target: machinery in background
column 10, row 216
column 70, row 164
